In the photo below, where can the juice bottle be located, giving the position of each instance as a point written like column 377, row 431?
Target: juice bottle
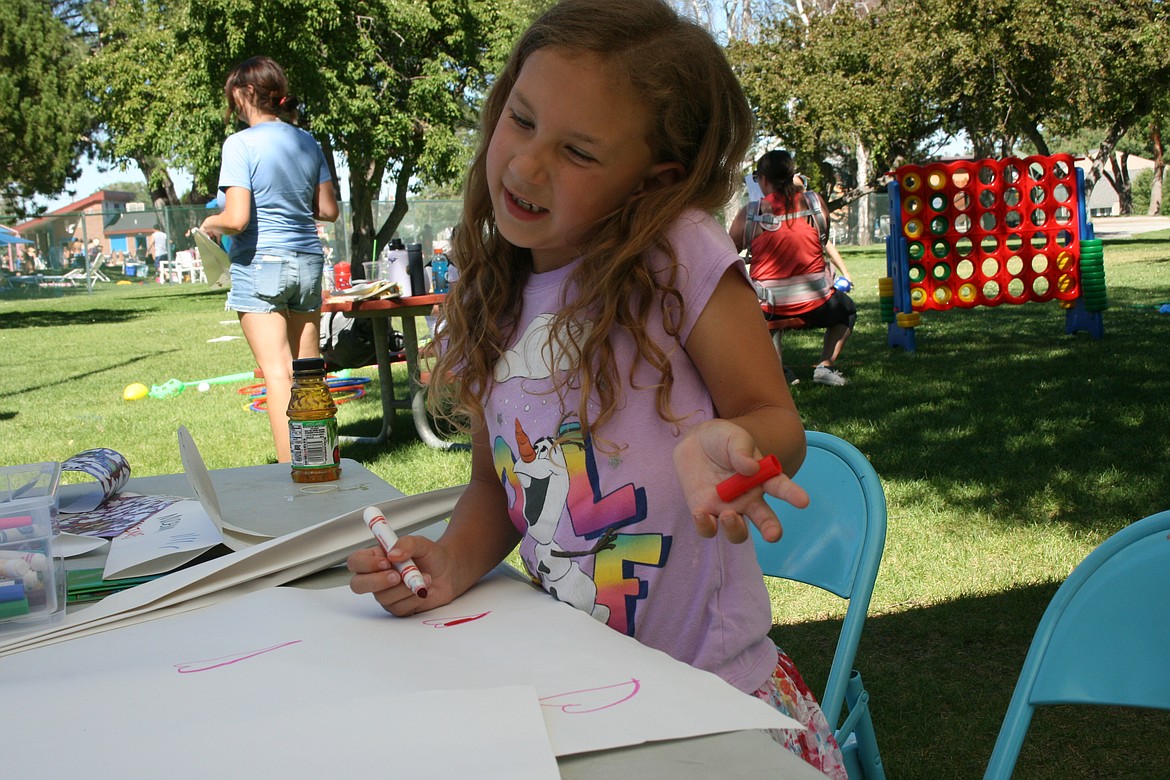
column 312, row 424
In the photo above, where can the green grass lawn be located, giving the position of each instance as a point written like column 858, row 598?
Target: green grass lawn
column 1007, row 449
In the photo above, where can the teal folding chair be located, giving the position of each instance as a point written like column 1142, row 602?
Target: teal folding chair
column 836, row 544
column 1104, row 638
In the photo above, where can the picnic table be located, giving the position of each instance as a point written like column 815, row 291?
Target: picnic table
column 406, row 309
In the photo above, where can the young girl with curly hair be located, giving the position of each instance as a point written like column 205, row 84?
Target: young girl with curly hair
column 606, row 344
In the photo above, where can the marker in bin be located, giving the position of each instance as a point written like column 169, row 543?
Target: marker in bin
column 386, row 537
column 737, row 484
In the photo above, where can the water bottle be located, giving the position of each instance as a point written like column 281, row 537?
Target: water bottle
column 414, row 264
column 396, row 266
column 439, row 271
column 328, row 282
column 312, row 424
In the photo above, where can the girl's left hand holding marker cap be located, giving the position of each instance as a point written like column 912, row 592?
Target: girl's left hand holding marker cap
column 724, row 503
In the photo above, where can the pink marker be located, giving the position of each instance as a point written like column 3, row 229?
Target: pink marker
column 386, row 537
column 737, row 484
column 24, row 521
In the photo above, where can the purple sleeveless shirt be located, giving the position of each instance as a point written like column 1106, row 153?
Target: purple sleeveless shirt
column 605, row 525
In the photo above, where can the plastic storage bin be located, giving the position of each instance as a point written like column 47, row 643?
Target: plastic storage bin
column 32, row 581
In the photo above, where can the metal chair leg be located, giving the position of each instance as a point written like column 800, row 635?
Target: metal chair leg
column 860, row 723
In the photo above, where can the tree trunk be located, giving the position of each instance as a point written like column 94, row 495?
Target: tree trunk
column 864, row 216
column 163, row 194
column 1037, row 139
column 365, row 179
column 1104, row 152
column 1159, row 169
column 1121, row 183
column 982, row 147
column 401, row 205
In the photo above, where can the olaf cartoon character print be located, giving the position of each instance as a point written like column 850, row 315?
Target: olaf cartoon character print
column 549, row 470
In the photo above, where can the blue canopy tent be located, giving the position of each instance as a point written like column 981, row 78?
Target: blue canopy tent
column 8, row 239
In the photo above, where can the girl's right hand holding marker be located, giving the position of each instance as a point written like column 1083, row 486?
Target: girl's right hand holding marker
column 374, row 573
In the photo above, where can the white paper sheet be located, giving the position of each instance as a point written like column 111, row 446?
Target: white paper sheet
column 281, row 649
column 499, row 734
column 216, row 265
column 71, row 545
column 198, row 477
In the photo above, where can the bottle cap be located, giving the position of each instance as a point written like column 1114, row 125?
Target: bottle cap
column 308, row 364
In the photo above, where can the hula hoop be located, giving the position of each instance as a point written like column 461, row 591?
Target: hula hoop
column 343, row 390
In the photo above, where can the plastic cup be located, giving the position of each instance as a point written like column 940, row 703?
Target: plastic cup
column 341, row 276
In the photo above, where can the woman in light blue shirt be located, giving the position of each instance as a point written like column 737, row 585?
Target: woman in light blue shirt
column 274, row 184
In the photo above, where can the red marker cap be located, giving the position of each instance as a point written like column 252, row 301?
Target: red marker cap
column 737, row 484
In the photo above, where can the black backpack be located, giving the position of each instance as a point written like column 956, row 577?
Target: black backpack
column 348, row 342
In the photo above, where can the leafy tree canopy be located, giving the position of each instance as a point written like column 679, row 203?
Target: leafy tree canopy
column 44, row 117
column 390, row 85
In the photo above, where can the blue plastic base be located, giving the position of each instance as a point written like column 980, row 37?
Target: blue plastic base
column 1078, row 318
column 898, row 336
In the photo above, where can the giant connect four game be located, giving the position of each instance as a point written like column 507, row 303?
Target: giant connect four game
column 990, row 232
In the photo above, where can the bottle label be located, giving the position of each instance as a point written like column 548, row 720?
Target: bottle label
column 314, row 443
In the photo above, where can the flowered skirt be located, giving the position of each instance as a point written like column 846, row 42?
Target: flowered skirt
column 788, row 693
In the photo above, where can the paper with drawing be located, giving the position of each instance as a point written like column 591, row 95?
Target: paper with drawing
column 151, row 534
column 276, row 652
column 107, row 468
column 164, row 541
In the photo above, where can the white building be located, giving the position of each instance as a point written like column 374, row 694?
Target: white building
column 1103, row 200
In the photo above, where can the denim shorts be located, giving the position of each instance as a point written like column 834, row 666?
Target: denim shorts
column 277, row 282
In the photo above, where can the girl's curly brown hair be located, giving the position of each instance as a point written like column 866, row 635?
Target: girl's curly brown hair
column 701, row 120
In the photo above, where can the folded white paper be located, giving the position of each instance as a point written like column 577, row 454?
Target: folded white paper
column 162, row 542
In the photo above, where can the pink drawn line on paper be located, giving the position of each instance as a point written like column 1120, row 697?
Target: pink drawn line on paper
column 593, row 699
column 227, row 660
column 454, row 621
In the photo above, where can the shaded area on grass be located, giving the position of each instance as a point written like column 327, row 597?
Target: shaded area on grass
column 919, row 665
column 999, row 412
column 112, row 367
column 64, row 318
